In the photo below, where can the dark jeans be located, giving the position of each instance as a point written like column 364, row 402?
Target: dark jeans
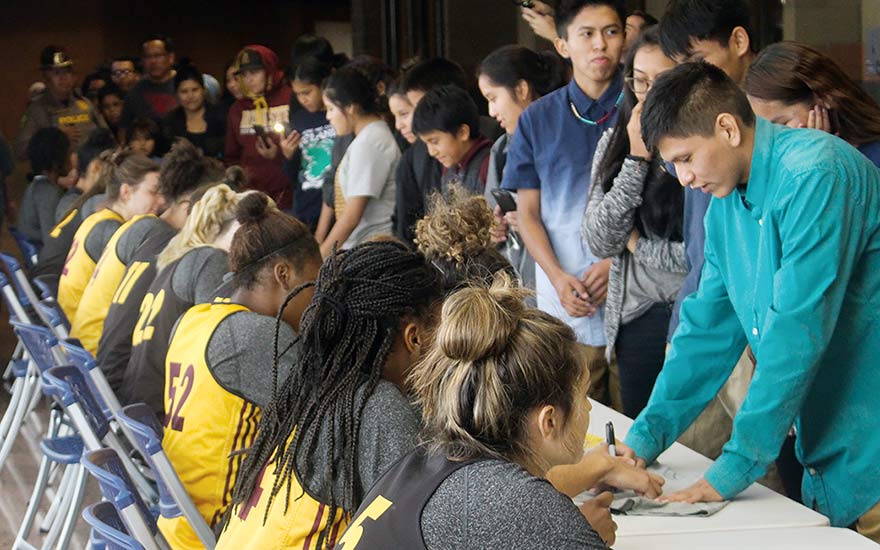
column 641, row 350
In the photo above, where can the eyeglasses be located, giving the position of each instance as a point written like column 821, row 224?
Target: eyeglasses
column 638, row 85
column 122, row 72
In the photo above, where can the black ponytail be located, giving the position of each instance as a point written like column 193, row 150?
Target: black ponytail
column 508, row 65
column 348, row 86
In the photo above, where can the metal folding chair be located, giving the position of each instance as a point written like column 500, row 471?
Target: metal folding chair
column 105, row 521
column 58, row 448
column 116, row 486
column 174, row 501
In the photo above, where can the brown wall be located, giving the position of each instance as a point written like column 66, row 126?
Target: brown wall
column 94, row 31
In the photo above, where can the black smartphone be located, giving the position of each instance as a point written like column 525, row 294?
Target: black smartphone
column 262, row 135
column 505, row 198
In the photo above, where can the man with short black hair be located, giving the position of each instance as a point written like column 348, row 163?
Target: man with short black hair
column 716, row 31
column 125, row 72
column 60, row 106
column 548, row 163
column 418, row 175
column 793, row 269
column 154, row 95
column 448, row 122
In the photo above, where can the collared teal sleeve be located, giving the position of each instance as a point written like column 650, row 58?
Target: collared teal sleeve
column 819, row 240
column 704, row 350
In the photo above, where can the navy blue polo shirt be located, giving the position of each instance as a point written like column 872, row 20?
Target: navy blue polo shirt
column 552, row 150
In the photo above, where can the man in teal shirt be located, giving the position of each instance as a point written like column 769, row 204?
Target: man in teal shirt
column 792, row 268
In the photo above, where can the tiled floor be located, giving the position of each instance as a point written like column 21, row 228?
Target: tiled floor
column 17, row 479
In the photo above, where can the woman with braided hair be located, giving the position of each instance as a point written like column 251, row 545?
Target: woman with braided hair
column 342, row 418
column 219, row 366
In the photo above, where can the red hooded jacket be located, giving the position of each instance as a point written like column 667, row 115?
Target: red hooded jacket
column 266, row 110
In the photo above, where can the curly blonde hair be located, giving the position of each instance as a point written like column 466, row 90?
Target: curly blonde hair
column 207, row 220
column 456, row 227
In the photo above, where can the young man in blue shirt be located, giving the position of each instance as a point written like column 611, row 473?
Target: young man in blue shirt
column 548, row 164
column 792, row 268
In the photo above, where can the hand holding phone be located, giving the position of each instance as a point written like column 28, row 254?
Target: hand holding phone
column 505, row 198
column 262, row 135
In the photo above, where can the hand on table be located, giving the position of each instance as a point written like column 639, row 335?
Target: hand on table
column 700, row 491
column 625, row 473
column 598, row 514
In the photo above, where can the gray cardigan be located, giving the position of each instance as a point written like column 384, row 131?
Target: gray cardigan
column 608, row 222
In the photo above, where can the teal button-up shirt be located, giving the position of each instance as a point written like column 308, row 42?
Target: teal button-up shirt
column 792, row 268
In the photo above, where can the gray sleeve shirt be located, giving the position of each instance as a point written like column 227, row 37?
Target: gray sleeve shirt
column 199, row 274
column 497, row 504
column 99, row 236
column 135, row 236
column 240, row 355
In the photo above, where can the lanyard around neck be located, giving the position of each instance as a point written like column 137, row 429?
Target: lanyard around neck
column 605, row 118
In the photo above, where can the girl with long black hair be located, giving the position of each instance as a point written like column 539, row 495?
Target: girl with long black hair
column 634, row 215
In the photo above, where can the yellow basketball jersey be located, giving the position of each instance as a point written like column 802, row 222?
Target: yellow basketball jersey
column 298, row 527
column 88, row 323
column 56, row 231
column 79, row 266
column 204, row 423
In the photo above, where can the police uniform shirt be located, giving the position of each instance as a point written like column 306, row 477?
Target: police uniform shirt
column 44, row 112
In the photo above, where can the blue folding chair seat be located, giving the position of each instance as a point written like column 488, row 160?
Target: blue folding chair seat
column 118, row 488
column 106, row 523
column 43, row 355
column 19, row 367
column 42, row 352
column 63, row 450
column 72, row 389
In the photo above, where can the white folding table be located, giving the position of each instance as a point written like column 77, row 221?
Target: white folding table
column 808, row 538
column 755, row 508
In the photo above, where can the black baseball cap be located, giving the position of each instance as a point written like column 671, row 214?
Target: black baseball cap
column 54, row 57
column 250, row 59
